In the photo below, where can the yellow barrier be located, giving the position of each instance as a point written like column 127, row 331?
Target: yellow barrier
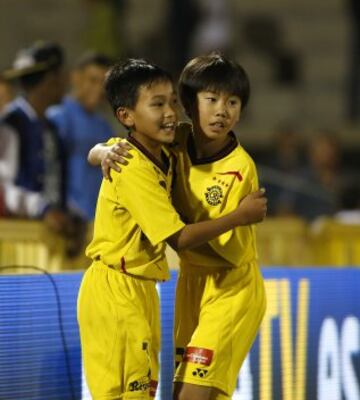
column 335, row 244
column 29, row 243
column 281, row 241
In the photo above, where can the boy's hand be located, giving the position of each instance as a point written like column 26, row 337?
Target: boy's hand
column 111, row 156
column 252, row 208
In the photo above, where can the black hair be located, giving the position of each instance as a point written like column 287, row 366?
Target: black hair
column 93, row 58
column 212, row 72
column 123, row 81
column 51, row 55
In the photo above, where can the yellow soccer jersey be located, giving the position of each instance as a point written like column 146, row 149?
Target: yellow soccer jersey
column 209, row 188
column 134, row 216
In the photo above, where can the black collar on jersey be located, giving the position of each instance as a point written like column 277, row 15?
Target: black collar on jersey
column 226, row 150
column 163, row 166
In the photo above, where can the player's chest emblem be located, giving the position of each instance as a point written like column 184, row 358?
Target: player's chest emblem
column 214, row 195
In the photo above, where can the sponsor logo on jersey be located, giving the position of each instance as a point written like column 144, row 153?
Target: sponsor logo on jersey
column 214, row 195
column 234, row 173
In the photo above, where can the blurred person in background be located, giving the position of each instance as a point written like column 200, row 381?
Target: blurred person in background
column 6, row 96
column 213, row 30
column 80, row 127
column 283, row 163
column 7, row 93
column 315, row 188
column 32, row 159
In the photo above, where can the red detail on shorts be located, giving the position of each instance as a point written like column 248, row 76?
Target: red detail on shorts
column 235, row 173
column 153, row 387
column 198, row 355
column 122, row 265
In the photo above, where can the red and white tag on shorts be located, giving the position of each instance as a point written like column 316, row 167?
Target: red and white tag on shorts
column 198, row 355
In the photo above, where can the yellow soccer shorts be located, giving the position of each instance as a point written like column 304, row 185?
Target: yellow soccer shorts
column 217, row 317
column 119, row 324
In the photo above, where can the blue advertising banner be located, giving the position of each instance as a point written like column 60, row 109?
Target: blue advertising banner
column 308, row 347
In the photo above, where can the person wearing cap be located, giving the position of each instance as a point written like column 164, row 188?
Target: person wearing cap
column 32, row 160
column 6, row 93
column 81, row 126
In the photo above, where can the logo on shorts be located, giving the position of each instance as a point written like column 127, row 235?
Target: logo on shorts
column 144, row 383
column 197, row 355
column 200, row 372
column 141, row 385
column 213, row 195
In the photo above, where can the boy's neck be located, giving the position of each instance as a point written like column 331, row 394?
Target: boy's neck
column 152, row 146
column 206, row 147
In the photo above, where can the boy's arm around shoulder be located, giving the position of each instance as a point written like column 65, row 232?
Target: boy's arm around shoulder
column 139, row 190
column 108, row 155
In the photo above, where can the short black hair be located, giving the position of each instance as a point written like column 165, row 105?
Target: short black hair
column 93, row 58
column 124, row 79
column 212, row 72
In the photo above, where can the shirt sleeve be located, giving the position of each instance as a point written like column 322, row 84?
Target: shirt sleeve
column 112, row 141
column 18, row 200
column 139, row 190
column 9, row 153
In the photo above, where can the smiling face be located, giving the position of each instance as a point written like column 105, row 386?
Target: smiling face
column 154, row 117
column 217, row 114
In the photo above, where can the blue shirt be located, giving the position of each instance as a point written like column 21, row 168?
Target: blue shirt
column 80, row 130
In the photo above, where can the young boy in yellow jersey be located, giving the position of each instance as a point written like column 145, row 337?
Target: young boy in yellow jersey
column 221, row 279
column 118, row 310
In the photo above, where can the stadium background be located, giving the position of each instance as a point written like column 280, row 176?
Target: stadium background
column 301, row 59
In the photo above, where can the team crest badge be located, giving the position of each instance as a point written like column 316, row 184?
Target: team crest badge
column 214, row 195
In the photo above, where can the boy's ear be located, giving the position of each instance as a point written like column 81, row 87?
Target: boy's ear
column 125, row 116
